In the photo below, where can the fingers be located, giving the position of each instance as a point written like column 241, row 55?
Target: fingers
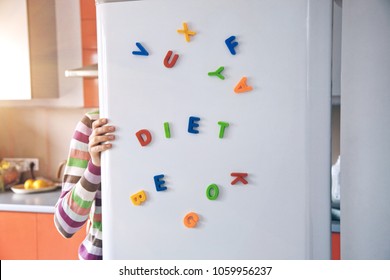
column 99, row 123
column 100, row 138
column 96, row 140
column 100, row 148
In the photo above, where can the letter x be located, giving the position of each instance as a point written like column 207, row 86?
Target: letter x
column 187, row 33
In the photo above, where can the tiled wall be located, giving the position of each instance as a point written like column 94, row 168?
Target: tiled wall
column 42, row 133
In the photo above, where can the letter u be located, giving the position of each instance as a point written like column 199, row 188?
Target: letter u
column 170, row 64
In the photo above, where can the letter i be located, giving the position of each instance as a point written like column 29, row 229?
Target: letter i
column 167, row 130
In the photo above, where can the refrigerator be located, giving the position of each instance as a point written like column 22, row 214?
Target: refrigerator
column 222, row 110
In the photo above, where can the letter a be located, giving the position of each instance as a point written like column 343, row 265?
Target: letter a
column 144, row 137
column 242, row 86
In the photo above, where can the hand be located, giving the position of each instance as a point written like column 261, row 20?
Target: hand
column 100, row 138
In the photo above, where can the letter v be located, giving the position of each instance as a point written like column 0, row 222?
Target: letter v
column 142, row 50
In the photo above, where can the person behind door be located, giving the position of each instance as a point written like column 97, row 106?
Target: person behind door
column 80, row 199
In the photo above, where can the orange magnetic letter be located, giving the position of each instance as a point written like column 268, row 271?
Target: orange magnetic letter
column 191, row 219
column 242, row 86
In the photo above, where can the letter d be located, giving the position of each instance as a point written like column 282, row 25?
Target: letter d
column 144, row 137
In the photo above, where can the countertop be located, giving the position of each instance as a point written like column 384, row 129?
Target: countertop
column 43, row 202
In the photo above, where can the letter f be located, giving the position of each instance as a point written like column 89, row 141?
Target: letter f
column 231, row 44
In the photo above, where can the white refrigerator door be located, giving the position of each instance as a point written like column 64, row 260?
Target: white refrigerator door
column 278, row 131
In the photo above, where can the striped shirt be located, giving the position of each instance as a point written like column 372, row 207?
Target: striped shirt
column 80, row 199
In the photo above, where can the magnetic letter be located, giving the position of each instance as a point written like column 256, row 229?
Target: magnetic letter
column 191, row 219
column 192, row 124
column 138, row 198
column 212, row 192
column 173, row 60
column 142, row 50
column 217, row 73
column 187, row 33
column 240, row 177
column 144, row 137
column 222, row 130
column 242, row 86
column 159, row 182
column 167, row 130
column 231, row 45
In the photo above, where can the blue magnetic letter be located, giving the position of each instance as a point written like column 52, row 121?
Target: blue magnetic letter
column 159, row 182
column 231, row 45
column 142, row 50
column 192, row 124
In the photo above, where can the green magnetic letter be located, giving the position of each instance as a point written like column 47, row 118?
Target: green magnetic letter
column 212, row 192
column 222, row 130
column 167, row 130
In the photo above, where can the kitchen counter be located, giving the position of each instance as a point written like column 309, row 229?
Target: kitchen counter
column 36, row 202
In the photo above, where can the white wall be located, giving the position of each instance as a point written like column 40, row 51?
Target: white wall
column 365, row 130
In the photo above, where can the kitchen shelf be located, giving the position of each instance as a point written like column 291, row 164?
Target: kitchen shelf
column 90, row 71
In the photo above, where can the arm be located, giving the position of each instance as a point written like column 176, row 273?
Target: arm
column 82, row 174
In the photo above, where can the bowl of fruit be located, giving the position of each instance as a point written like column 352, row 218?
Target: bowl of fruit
column 37, row 185
column 9, row 174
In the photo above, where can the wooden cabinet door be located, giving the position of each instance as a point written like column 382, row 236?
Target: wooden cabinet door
column 50, row 243
column 89, row 45
column 18, row 236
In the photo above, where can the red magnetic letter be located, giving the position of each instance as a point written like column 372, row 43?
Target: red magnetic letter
column 173, row 61
column 144, row 137
column 239, row 177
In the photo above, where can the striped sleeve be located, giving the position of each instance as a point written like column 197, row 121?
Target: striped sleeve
column 81, row 182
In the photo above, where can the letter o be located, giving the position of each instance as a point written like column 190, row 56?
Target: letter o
column 212, row 192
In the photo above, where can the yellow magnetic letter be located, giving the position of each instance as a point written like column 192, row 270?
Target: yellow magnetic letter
column 138, row 198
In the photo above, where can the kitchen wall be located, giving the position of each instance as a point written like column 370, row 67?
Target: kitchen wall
column 39, row 132
column 42, row 128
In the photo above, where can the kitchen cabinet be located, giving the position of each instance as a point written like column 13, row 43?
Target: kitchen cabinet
column 31, row 236
column 18, row 236
column 28, row 50
column 89, row 50
column 69, row 92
